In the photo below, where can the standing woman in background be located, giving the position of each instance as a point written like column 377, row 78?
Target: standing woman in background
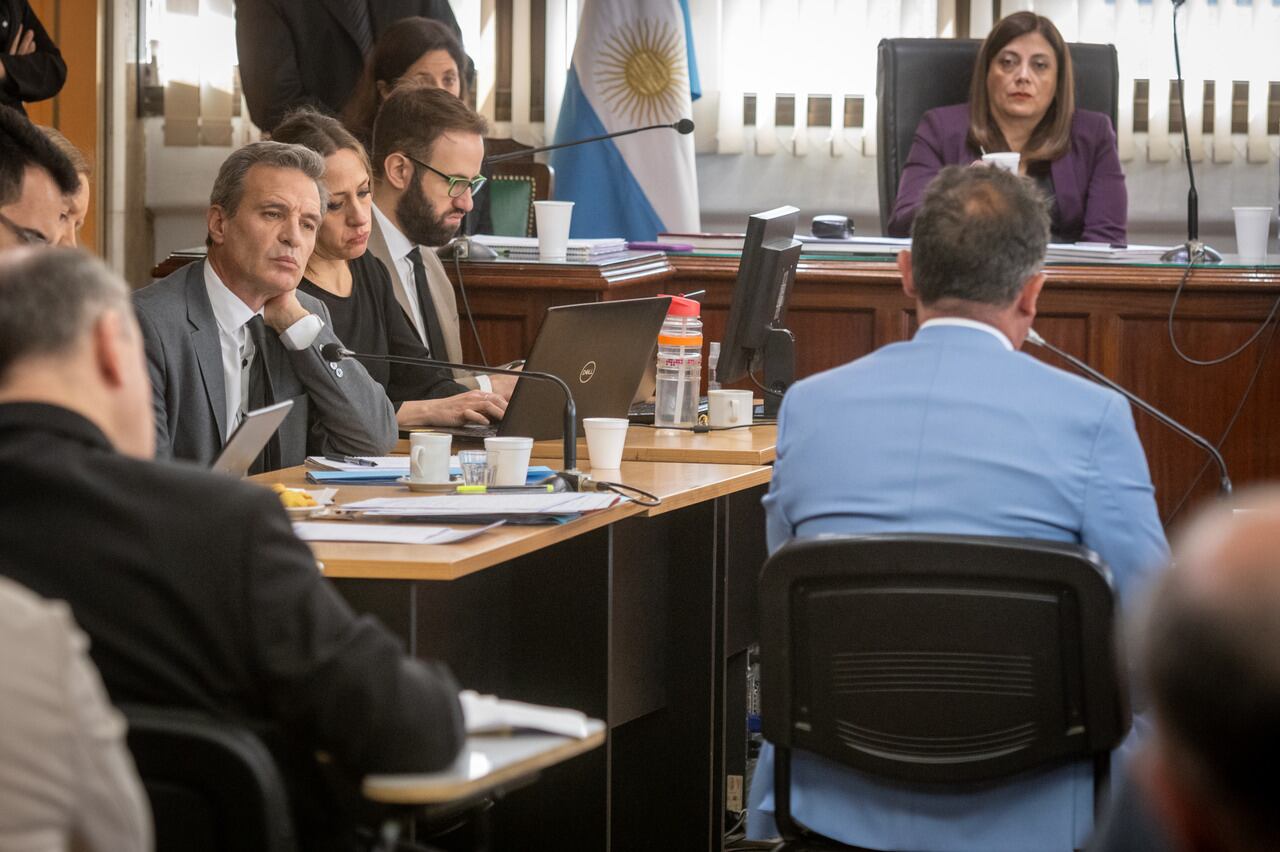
column 31, row 66
column 1022, row 99
column 413, row 49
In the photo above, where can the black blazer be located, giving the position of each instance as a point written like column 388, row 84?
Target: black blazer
column 37, row 76
column 310, row 52
column 196, row 593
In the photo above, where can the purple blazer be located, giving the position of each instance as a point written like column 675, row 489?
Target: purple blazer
column 1092, row 205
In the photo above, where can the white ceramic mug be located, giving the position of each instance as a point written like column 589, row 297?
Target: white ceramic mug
column 727, row 408
column 429, row 456
column 1007, row 160
column 1253, row 226
column 606, row 436
column 509, row 457
column 553, row 219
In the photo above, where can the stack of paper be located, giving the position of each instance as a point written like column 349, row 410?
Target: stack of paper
column 487, row 714
column 526, row 248
column 384, row 533
column 472, row 505
column 1103, row 253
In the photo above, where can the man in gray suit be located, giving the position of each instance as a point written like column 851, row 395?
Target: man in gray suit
column 231, row 334
column 428, row 147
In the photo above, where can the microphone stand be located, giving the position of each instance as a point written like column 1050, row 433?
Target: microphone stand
column 572, row 477
column 682, row 126
column 1193, row 250
column 1224, row 481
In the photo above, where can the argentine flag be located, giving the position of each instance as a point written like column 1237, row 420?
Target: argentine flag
column 633, row 65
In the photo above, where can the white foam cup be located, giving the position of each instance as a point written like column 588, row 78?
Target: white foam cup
column 429, row 456
column 510, row 458
column 1253, row 226
column 553, row 219
column 728, row 408
column 1007, row 160
column 606, row 436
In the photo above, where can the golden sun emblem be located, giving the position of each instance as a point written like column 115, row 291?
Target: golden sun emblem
column 641, row 73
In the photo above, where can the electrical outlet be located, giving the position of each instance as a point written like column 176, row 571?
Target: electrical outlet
column 733, row 793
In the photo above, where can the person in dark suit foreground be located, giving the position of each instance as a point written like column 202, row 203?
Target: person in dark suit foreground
column 957, row 432
column 232, row 334
column 191, row 585
column 1208, row 648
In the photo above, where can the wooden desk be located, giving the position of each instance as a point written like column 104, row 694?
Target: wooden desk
column 639, row 617
column 754, row 446
column 486, row 763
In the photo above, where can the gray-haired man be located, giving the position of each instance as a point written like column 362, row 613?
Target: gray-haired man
column 232, row 334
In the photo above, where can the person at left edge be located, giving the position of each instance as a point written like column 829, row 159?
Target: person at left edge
column 202, row 331
column 31, row 66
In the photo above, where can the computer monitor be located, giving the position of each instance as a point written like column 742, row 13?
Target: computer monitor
column 755, row 339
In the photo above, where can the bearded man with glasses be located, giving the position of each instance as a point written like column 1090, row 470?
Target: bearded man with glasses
column 427, row 150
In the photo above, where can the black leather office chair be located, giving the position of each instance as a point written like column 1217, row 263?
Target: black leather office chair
column 214, row 786
column 942, row 661
column 915, row 75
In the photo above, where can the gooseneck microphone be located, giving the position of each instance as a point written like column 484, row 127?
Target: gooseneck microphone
column 1192, row 250
column 1224, row 481
column 683, row 126
column 571, row 476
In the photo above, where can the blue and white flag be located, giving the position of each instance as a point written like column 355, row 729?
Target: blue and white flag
column 633, row 66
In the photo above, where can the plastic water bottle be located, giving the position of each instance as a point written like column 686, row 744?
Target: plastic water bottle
column 679, row 373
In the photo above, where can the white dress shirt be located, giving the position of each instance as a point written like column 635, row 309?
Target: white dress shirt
column 400, row 247
column 968, row 323
column 238, row 350
column 67, row 781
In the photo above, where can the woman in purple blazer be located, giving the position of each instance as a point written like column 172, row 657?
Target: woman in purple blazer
column 1022, row 99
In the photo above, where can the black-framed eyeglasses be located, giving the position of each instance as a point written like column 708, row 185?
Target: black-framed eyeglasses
column 26, row 236
column 457, row 183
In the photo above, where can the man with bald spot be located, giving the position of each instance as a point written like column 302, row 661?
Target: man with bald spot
column 1208, row 648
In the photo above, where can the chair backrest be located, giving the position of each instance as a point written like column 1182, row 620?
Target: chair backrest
column 915, row 75
column 213, row 785
column 514, row 186
column 948, row 659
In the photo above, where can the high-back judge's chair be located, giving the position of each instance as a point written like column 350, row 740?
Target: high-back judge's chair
column 915, row 75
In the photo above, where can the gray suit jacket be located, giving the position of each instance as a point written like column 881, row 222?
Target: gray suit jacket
column 336, row 407
column 444, row 302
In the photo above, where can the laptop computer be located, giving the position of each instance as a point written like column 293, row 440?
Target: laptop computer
column 599, row 349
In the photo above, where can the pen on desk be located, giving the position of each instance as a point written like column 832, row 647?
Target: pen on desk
column 334, row 457
column 504, row 489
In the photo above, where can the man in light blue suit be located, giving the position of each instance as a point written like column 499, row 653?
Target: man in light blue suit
column 956, row 431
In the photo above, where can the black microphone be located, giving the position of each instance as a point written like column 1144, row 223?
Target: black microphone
column 1224, row 482
column 573, row 479
column 683, row 126
column 1193, row 250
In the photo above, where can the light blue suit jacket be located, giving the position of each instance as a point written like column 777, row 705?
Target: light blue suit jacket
column 953, row 433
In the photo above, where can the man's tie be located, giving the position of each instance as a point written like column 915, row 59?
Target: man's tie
column 430, row 321
column 261, row 394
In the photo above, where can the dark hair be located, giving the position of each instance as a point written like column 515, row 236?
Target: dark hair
column 1052, row 136
column 22, row 145
column 1210, row 659
column 79, row 161
column 414, row 116
column 404, row 43
column 979, row 234
column 49, row 297
column 322, row 133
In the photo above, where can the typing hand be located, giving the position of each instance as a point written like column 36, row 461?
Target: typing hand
column 479, row 407
column 282, row 311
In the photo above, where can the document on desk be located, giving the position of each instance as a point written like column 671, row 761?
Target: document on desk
column 387, row 464
column 384, row 533
column 484, row 714
column 472, row 505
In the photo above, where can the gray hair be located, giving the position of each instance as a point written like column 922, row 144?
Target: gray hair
column 1208, row 648
column 49, row 298
column 978, row 236
column 228, row 187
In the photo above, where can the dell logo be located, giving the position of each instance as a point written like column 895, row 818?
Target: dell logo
column 588, row 370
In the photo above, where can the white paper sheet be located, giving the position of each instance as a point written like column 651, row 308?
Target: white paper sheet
column 487, row 504
column 384, row 533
